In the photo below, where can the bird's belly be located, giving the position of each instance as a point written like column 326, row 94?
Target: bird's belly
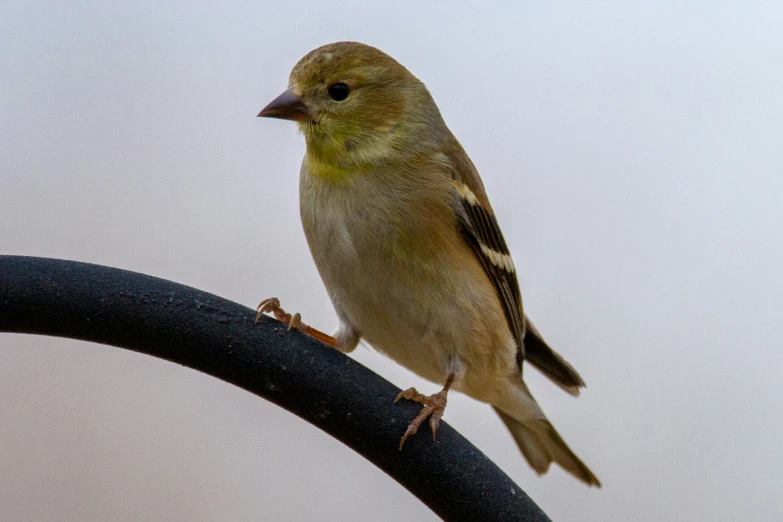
column 419, row 306
column 402, row 320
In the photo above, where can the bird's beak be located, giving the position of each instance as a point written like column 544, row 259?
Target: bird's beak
column 287, row 106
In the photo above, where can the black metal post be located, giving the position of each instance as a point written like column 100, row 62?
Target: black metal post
column 216, row 336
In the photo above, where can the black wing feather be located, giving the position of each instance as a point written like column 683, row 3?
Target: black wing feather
column 479, row 227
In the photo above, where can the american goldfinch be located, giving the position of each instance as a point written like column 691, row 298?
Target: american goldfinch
column 408, row 247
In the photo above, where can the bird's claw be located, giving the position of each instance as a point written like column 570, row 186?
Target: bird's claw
column 295, row 322
column 268, row 305
column 272, row 305
column 433, row 407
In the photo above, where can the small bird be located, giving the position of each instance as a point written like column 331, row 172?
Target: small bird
column 408, row 247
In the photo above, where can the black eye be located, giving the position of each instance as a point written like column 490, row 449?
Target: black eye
column 339, row 91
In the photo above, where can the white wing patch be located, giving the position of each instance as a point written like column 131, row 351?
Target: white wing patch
column 503, row 261
column 499, row 259
column 466, row 194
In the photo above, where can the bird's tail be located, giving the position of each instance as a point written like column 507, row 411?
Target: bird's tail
column 541, row 445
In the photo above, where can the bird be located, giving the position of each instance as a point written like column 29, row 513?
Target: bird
column 409, row 249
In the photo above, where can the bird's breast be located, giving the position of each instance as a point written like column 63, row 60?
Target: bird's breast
column 392, row 259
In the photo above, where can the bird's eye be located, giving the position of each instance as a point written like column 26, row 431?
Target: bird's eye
column 339, row 91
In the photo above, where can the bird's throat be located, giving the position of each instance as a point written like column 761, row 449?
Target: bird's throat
column 332, row 161
column 331, row 172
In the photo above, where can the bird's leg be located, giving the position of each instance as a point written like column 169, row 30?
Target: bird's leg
column 434, row 406
column 272, row 305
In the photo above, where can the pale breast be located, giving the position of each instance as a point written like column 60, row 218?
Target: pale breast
column 389, row 252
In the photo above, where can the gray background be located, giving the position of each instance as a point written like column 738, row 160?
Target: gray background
column 632, row 152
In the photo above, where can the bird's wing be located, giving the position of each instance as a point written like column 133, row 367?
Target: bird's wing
column 549, row 362
column 480, row 229
column 482, row 232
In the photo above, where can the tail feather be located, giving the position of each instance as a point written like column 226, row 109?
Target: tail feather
column 550, row 363
column 541, row 445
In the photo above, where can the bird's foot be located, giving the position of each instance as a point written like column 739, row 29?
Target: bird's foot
column 272, row 305
column 433, row 407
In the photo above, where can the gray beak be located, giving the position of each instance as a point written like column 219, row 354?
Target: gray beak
column 287, row 106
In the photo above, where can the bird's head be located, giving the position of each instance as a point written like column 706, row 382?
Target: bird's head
column 357, row 107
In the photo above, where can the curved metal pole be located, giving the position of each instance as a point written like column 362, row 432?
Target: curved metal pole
column 216, row 336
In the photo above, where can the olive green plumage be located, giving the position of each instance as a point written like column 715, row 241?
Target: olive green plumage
column 406, row 242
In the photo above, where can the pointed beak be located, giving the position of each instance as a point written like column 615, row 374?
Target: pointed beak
column 287, row 106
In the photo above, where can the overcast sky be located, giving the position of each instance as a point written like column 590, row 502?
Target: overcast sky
column 632, row 151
